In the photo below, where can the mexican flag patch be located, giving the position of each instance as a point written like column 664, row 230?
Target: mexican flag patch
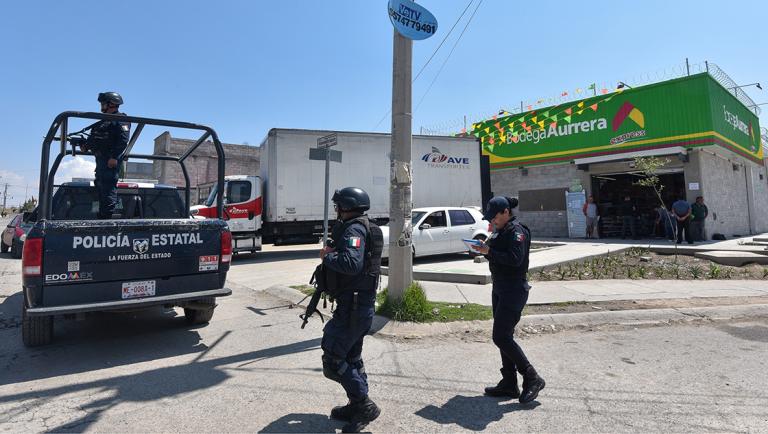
column 520, row 237
column 354, row 242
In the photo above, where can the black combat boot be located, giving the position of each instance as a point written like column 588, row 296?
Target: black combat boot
column 507, row 387
column 532, row 384
column 364, row 412
column 343, row 412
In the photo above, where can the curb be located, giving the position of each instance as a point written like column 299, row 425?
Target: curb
column 551, row 323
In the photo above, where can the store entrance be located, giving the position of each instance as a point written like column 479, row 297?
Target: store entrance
column 609, row 191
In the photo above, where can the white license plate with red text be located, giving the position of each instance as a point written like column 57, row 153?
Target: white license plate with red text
column 145, row 288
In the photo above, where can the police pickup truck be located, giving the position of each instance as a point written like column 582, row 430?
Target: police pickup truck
column 150, row 253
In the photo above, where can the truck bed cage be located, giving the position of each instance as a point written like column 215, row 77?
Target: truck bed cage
column 61, row 123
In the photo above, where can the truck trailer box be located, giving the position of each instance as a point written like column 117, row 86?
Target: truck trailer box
column 446, row 172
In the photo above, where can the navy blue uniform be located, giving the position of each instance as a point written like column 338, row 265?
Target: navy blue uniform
column 508, row 261
column 356, row 295
column 108, row 140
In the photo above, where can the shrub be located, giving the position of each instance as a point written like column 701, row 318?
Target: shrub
column 696, row 271
column 715, row 271
column 412, row 307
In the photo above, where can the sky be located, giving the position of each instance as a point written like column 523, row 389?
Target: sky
column 244, row 67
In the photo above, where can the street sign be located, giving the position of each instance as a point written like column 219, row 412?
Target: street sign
column 327, row 141
column 411, row 20
column 324, row 152
column 319, row 154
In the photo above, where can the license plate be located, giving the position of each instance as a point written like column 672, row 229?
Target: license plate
column 144, row 288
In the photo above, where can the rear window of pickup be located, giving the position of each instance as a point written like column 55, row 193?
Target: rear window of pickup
column 82, row 203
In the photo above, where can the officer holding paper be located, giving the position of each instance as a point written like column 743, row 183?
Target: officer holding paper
column 507, row 251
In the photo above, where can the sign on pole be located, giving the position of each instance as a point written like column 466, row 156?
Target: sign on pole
column 324, row 152
column 328, row 141
column 411, row 20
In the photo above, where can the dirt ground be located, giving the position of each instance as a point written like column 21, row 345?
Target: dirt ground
column 639, row 263
column 586, row 306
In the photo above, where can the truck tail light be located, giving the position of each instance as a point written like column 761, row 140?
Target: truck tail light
column 226, row 246
column 18, row 232
column 32, row 257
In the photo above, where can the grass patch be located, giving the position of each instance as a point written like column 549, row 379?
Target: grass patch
column 304, row 289
column 415, row 307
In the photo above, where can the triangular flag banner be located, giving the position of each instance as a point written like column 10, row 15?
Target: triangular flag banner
column 530, row 107
column 545, row 114
column 568, row 110
column 528, row 128
column 463, row 131
column 567, row 118
column 524, row 125
column 581, row 104
column 553, row 124
column 564, row 94
column 541, row 124
column 497, row 125
column 533, row 119
column 554, row 118
column 593, row 107
column 491, row 141
column 578, row 90
column 580, row 112
column 604, row 91
column 488, row 130
column 514, row 138
column 494, row 117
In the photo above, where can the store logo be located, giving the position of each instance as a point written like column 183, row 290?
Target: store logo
column 628, row 111
column 438, row 159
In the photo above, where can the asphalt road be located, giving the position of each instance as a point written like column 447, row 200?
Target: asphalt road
column 253, row 369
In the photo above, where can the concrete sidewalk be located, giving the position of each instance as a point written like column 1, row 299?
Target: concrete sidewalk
column 461, row 269
column 601, row 290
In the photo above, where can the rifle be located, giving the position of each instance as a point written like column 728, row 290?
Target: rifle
column 318, row 281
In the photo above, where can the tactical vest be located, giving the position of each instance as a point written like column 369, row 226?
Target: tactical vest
column 374, row 244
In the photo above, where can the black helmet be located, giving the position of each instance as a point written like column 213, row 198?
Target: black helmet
column 111, row 97
column 352, row 199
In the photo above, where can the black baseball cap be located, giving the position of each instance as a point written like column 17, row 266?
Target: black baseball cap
column 498, row 204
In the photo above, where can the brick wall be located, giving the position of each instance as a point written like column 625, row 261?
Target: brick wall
column 202, row 164
column 725, row 193
column 509, row 182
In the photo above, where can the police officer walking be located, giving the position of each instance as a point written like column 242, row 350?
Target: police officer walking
column 507, row 251
column 108, row 140
column 354, row 260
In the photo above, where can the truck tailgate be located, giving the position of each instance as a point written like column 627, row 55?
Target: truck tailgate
column 123, row 259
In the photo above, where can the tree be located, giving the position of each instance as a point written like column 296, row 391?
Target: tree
column 649, row 166
column 28, row 205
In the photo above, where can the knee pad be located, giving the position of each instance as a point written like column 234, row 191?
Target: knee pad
column 333, row 369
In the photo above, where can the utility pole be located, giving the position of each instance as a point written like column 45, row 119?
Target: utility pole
column 5, row 195
column 400, row 206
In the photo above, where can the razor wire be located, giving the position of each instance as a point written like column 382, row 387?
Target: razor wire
column 452, row 126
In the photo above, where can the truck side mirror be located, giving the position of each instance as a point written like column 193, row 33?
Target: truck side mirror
column 425, row 226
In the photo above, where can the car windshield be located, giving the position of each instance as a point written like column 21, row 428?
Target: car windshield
column 416, row 216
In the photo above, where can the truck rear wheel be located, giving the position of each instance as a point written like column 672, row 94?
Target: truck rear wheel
column 35, row 330
column 16, row 250
column 201, row 311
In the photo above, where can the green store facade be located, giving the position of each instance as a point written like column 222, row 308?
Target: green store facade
column 709, row 141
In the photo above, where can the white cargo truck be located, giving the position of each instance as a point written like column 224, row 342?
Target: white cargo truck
column 284, row 203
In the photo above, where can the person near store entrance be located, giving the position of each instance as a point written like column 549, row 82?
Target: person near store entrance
column 628, row 213
column 507, row 251
column 699, row 213
column 592, row 214
column 682, row 210
column 664, row 222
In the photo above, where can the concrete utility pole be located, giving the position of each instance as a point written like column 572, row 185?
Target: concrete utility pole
column 5, row 195
column 400, row 206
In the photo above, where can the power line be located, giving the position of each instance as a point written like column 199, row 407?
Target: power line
column 449, row 56
column 431, row 57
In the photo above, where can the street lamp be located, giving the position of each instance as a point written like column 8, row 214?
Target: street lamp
column 757, row 85
column 622, row 85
